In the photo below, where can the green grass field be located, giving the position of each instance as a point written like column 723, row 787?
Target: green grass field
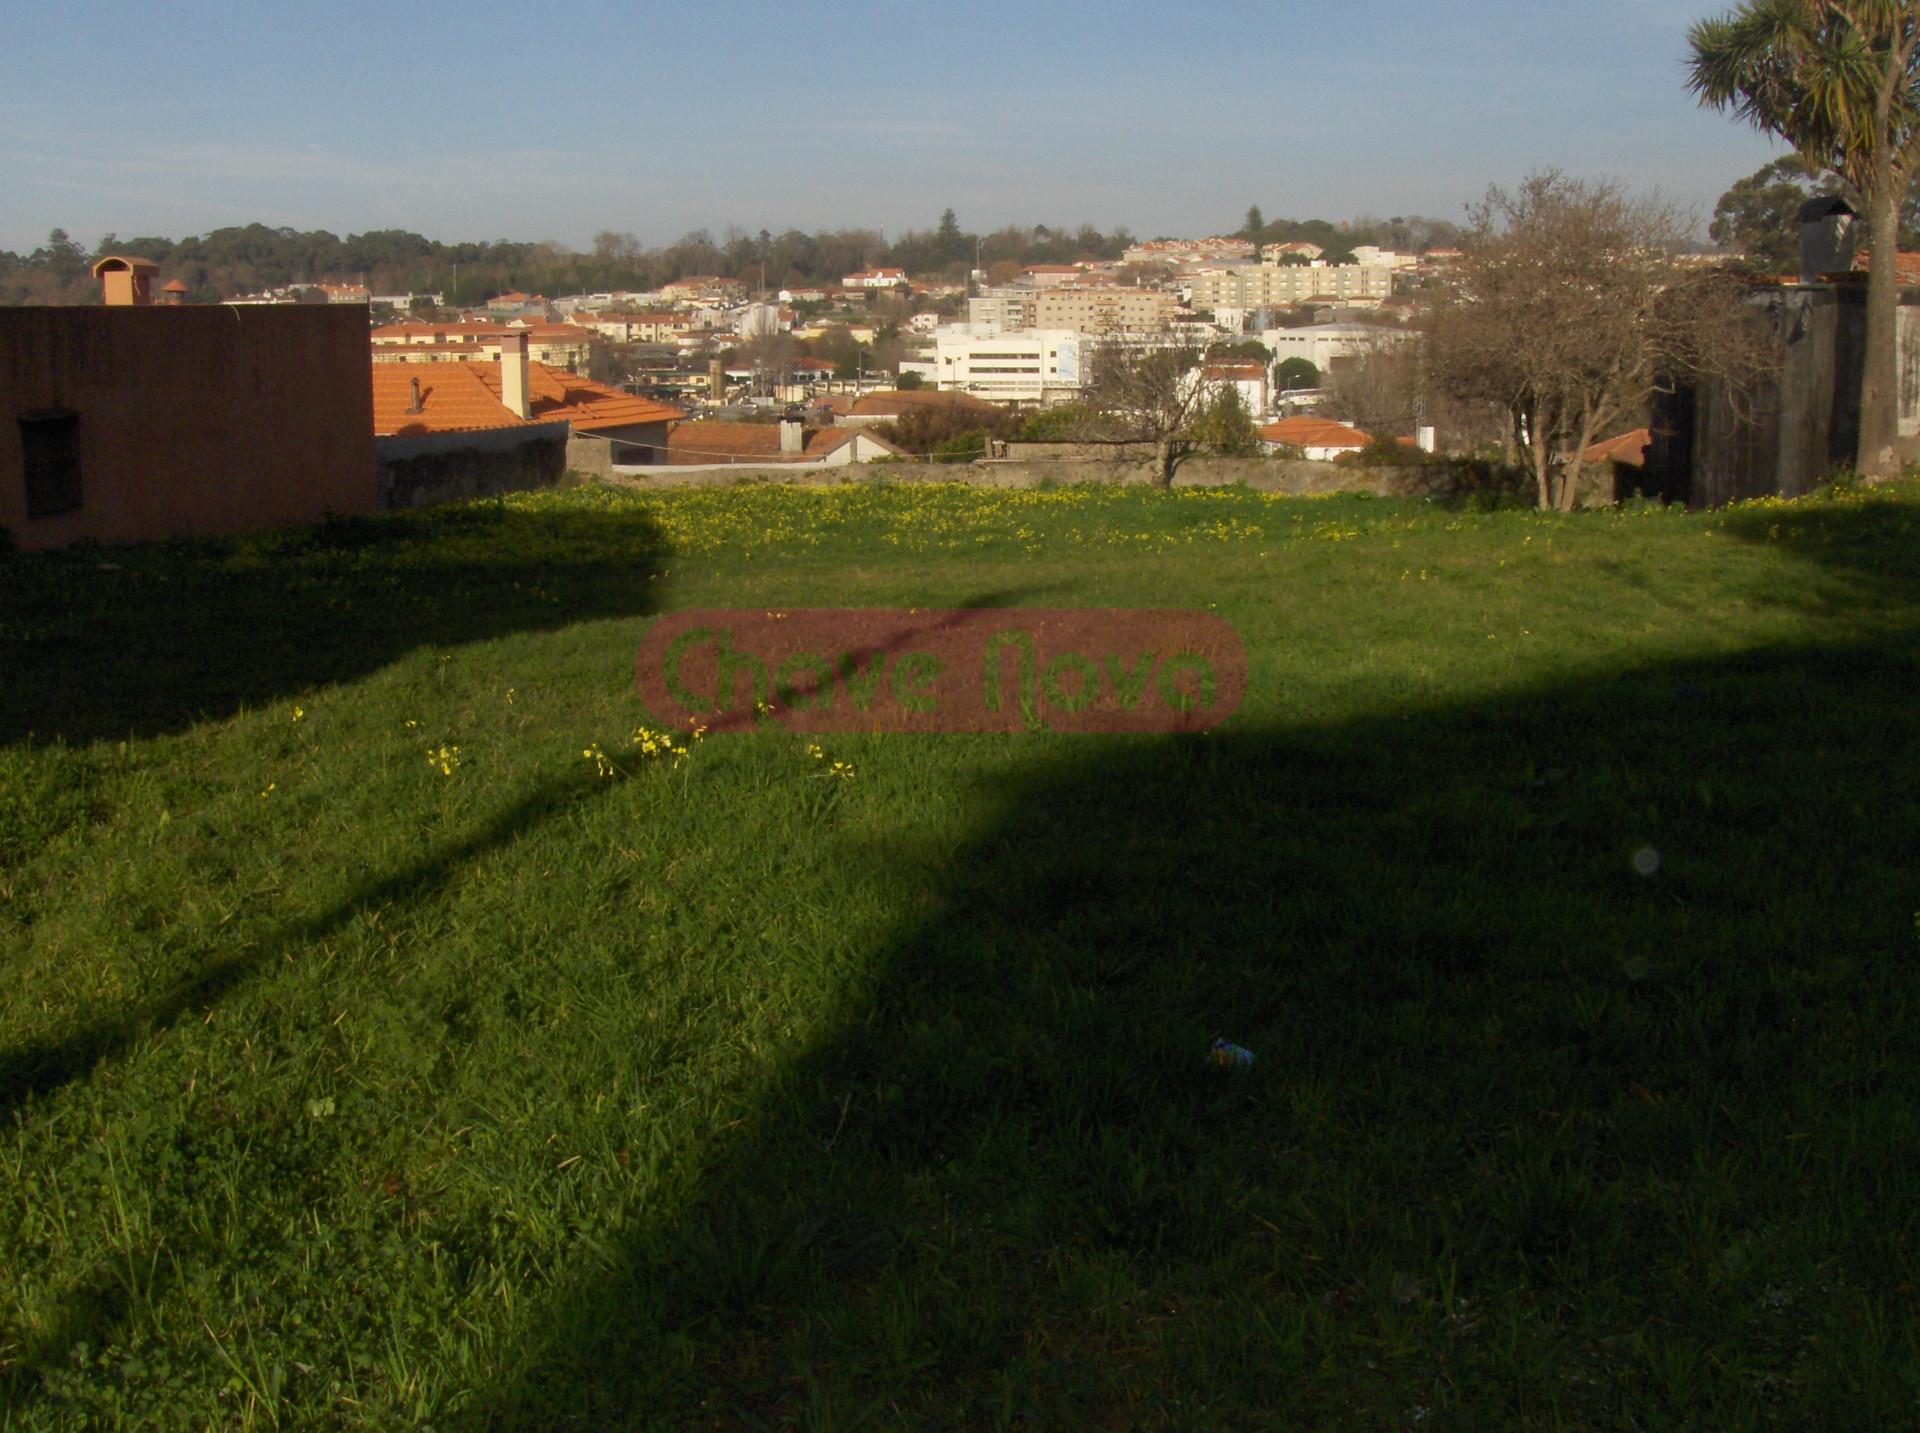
column 368, row 1059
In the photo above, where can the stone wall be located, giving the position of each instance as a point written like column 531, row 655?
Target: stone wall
column 417, row 473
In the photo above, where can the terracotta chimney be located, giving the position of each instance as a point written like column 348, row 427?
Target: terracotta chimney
column 717, row 381
column 793, row 432
column 513, row 373
column 416, row 406
column 124, row 282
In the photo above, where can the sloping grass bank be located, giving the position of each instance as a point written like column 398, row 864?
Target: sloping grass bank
column 371, row 1057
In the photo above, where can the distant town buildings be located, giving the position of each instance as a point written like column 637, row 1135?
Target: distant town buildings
column 1189, row 251
column 1285, row 285
column 1329, row 347
column 558, row 345
column 1105, row 310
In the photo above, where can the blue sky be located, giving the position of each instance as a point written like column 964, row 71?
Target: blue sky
column 479, row 120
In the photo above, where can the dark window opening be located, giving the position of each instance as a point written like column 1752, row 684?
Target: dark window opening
column 50, row 443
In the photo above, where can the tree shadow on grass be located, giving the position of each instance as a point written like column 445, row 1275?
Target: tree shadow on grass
column 43, row 1066
column 94, row 1310
column 122, row 642
column 1585, row 1094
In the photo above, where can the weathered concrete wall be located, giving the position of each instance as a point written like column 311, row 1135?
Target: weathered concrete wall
column 1798, row 427
column 598, row 453
column 191, row 420
column 448, row 467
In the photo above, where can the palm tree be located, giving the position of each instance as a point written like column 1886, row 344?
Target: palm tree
column 1838, row 80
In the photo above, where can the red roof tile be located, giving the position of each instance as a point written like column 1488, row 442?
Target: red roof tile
column 891, row 404
column 712, row 440
column 1315, row 433
column 553, row 394
column 1906, row 266
column 1629, row 448
column 453, row 397
column 465, row 397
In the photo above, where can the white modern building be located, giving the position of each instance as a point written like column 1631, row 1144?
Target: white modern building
column 1329, row 347
column 1038, row 366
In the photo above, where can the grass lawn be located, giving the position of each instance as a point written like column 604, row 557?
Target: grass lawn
column 368, row 1059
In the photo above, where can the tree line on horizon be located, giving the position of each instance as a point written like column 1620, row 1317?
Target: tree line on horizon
column 252, row 257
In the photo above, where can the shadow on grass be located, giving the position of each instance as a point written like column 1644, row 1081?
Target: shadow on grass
column 92, row 1311
column 121, row 642
column 40, row 1067
column 1586, row 1093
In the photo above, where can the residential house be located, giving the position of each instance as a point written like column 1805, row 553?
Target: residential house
column 712, row 443
column 443, row 434
column 1050, row 276
column 700, row 286
column 875, row 279
column 1251, row 381
column 451, row 430
column 517, row 305
column 636, row 327
column 131, row 421
column 558, row 345
column 1319, row 439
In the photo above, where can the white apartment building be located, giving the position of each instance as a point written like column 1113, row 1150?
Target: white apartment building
column 1374, row 254
column 1038, row 366
column 1283, row 285
column 1003, row 310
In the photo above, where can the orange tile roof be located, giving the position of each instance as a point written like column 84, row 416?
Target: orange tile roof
column 408, row 332
column 1906, row 266
column 891, row 404
column 452, row 396
column 1629, row 448
column 1315, row 433
column 465, row 397
column 553, row 394
column 711, row 440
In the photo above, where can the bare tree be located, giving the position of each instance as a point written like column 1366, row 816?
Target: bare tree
column 1143, row 393
column 1378, row 389
column 1567, row 309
